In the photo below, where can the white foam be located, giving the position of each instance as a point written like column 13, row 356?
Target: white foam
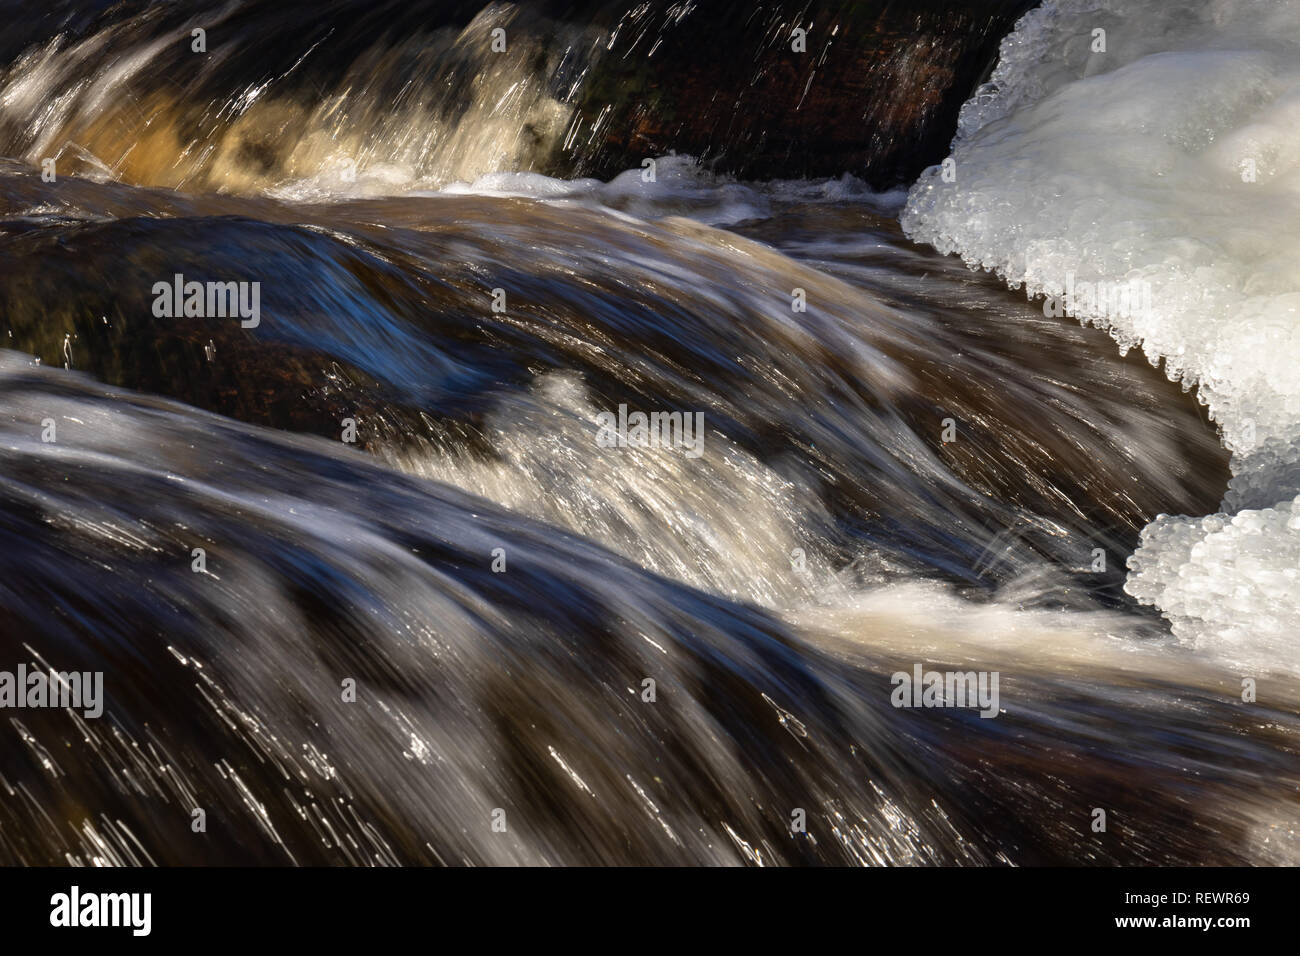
column 847, row 188
column 522, row 184
column 1133, row 166
column 723, row 522
column 675, row 185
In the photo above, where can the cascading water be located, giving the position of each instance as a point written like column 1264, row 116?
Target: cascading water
column 465, row 256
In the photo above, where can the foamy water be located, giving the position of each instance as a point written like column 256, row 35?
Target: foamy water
column 501, row 583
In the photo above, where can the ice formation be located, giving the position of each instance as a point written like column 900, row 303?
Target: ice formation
column 1157, row 144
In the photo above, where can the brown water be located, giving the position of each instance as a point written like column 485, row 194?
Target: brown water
column 826, row 536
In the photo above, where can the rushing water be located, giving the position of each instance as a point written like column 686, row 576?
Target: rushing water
column 917, row 467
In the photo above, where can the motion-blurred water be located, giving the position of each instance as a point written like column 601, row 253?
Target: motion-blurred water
column 500, row 587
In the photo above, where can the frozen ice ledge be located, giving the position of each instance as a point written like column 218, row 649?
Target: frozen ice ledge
column 1154, row 148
